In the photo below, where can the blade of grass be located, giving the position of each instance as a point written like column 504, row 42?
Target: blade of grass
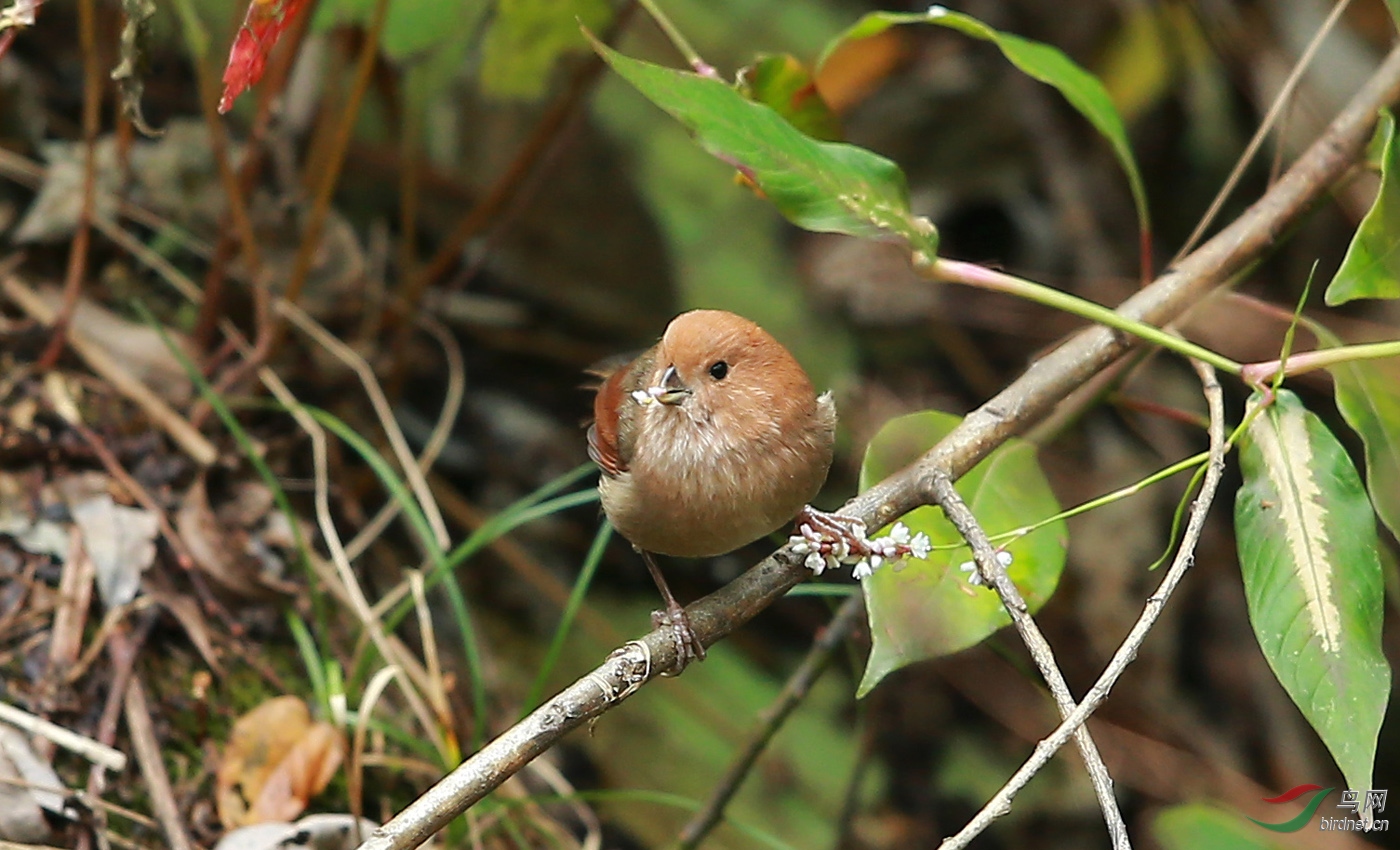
column 461, row 611
column 311, row 658
column 235, row 428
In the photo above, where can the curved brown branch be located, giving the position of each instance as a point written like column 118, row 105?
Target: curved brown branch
column 993, row 573
column 1025, row 402
column 799, row 684
column 1074, row 722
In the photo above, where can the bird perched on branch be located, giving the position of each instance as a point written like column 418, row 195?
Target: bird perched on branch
column 709, row 440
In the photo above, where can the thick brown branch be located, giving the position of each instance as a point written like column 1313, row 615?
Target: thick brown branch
column 1025, row 402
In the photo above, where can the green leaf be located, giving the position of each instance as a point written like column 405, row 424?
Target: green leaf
column 784, row 84
column 527, row 37
column 1371, row 268
column 1308, row 552
column 1039, row 61
column 1196, row 826
column 728, row 249
column 927, row 608
column 1368, row 396
column 820, row 186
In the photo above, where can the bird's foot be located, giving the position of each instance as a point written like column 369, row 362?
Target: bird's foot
column 688, row 645
column 829, row 540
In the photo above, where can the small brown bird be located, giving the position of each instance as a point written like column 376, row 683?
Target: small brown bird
column 709, row 440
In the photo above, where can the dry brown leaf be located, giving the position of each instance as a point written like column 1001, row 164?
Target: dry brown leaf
column 301, row 775
column 190, row 616
column 275, row 761
column 217, row 550
column 857, row 67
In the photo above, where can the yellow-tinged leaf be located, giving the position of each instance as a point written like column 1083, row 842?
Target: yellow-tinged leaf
column 1308, row 549
column 1283, row 443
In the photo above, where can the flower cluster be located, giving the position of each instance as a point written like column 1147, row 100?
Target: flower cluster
column 974, row 577
column 826, row 548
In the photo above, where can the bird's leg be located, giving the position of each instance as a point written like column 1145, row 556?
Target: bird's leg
column 688, row 645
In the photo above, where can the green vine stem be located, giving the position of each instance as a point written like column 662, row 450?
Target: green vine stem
column 971, row 274
column 1259, row 374
column 678, row 39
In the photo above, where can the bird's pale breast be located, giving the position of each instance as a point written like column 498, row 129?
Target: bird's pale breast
column 699, row 488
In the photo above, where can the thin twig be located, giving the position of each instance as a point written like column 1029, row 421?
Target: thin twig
column 1185, row 556
column 94, row 751
column 535, row 152
column 798, row 685
column 329, row 173
column 155, row 779
column 1281, row 100
column 78, row 248
column 994, row 574
column 122, row 648
column 101, row 362
column 1026, row 401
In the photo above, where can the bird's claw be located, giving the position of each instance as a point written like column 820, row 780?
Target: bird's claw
column 688, row 645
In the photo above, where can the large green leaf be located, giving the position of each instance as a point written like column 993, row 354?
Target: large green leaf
column 928, row 608
column 1039, row 61
column 821, row 186
column 1196, row 826
column 1308, row 552
column 1368, row 396
column 1371, row 268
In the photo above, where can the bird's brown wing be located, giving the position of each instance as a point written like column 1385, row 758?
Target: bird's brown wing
column 602, row 434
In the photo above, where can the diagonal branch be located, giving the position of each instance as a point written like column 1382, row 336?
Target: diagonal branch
column 1026, row 401
column 799, row 684
column 1127, row 651
column 994, row 573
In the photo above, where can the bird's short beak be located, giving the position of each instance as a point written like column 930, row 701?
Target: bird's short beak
column 671, row 390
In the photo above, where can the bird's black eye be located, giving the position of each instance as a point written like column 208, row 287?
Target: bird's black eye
column 719, row 370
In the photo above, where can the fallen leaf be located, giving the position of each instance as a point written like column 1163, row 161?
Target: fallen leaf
column 121, row 542
column 218, row 550
column 275, row 761
column 313, row 832
column 301, row 775
column 21, row 818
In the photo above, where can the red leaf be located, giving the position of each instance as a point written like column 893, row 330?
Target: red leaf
column 247, row 59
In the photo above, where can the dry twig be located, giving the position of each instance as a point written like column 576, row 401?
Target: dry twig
column 994, row 574
column 1127, row 651
column 799, row 684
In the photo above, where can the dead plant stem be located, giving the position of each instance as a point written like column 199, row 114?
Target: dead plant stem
column 78, row 248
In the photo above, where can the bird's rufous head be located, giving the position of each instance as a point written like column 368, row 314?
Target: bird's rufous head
column 714, row 366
